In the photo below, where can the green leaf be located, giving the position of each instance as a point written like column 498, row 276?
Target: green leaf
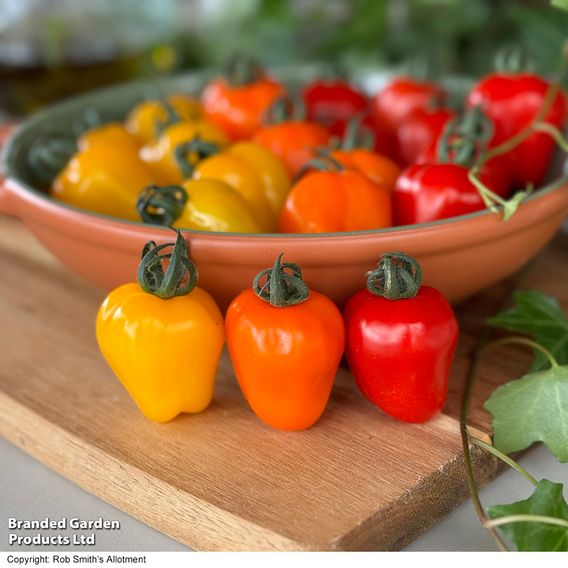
column 546, row 500
column 562, row 4
column 532, row 409
column 541, row 317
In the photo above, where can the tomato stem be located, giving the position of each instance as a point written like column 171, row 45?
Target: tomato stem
column 282, row 285
column 243, row 70
column 161, row 205
column 180, row 276
column 357, row 135
column 465, row 137
column 553, row 132
column 323, row 163
column 421, row 68
column 49, row 154
column 513, row 59
column 285, row 109
column 397, row 276
column 492, row 200
column 188, row 154
column 172, row 117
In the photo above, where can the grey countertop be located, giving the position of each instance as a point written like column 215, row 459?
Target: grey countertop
column 29, row 490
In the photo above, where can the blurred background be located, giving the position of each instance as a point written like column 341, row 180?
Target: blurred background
column 51, row 49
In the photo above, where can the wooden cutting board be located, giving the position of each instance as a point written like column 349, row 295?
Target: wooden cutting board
column 221, row 480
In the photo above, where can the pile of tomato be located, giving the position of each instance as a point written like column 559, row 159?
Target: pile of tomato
column 248, row 158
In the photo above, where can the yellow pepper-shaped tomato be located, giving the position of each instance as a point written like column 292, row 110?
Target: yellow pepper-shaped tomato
column 112, row 134
column 147, row 118
column 252, row 170
column 160, row 154
column 163, row 337
column 204, row 205
column 105, row 179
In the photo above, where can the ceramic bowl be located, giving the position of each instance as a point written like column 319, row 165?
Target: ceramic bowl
column 460, row 256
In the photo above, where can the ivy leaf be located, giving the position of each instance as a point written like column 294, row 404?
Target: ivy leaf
column 532, row 409
column 546, row 500
column 541, row 317
column 562, row 4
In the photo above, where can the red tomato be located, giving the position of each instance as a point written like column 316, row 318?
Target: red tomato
column 400, row 351
column 500, row 168
column 420, row 132
column 512, row 101
column 402, row 97
column 428, row 192
column 333, row 103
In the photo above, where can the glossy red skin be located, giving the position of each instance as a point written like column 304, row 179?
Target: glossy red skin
column 402, row 97
column 401, row 351
column 333, row 103
column 433, row 191
column 420, row 132
column 512, row 101
column 499, row 169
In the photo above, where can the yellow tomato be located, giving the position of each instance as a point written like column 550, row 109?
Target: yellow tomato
column 160, row 154
column 255, row 173
column 145, row 119
column 104, row 181
column 213, row 205
column 163, row 340
column 113, row 135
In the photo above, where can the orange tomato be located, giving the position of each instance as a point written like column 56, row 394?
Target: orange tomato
column 238, row 102
column 376, row 167
column 294, row 141
column 285, row 358
column 335, row 201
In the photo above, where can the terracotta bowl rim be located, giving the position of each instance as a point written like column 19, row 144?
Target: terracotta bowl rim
column 11, row 171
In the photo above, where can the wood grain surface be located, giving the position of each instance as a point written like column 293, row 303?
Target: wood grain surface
column 221, row 480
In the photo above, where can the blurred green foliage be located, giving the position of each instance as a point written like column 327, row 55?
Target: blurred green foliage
column 151, row 38
column 455, row 36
